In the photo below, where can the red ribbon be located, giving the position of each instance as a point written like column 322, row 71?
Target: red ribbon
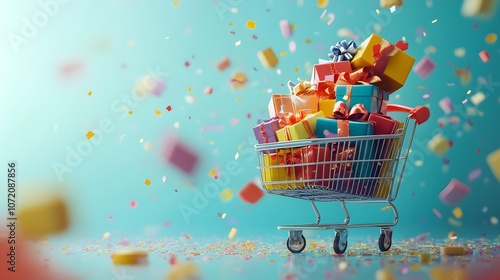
column 361, row 76
column 291, row 118
column 263, row 132
column 358, row 112
column 326, row 90
column 382, row 54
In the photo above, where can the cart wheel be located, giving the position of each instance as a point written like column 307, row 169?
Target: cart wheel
column 296, row 242
column 340, row 241
column 385, row 239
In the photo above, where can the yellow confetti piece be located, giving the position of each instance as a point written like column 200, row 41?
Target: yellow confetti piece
column 494, row 220
column 90, row 93
column 158, row 112
column 469, row 91
column 212, row 172
column 130, row 112
column 386, row 208
column 457, row 212
column 308, row 41
column 176, row 3
column 212, row 142
column 272, row 261
column 322, row 3
column 250, row 24
column 283, row 53
column 147, row 182
column 491, row 38
column 190, row 89
column 296, row 70
column 415, row 267
column 452, row 235
column 130, row 43
column 230, row 24
column 106, row 235
column 232, row 233
column 148, row 146
column 226, row 194
column 434, row 21
column 223, row 215
column 89, row 134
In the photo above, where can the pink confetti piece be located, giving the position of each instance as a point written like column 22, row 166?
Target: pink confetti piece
column 485, row 56
column 454, row 120
column 234, row 121
column 286, row 31
column 208, row 90
column 454, row 192
column 424, row 67
column 187, row 64
column 422, row 237
column 255, row 37
column 292, row 46
column 437, row 213
column 133, row 203
column 474, row 174
column 464, row 101
column 110, row 217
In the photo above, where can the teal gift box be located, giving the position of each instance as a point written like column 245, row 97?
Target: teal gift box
column 372, row 97
column 364, row 152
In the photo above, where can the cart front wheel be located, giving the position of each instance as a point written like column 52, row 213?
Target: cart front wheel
column 296, row 242
column 340, row 241
column 385, row 239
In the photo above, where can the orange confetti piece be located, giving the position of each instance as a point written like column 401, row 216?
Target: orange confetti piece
column 250, row 24
column 147, row 182
column 89, row 134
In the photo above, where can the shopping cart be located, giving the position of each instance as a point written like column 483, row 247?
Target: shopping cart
column 360, row 169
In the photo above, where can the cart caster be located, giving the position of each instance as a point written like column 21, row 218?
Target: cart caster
column 296, row 242
column 340, row 241
column 385, row 239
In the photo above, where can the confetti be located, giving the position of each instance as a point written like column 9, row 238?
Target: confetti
column 226, row 194
column 454, row 192
column 237, row 43
column 239, row 80
column 179, row 155
column 452, row 251
column 224, row 64
column 457, row 212
column 386, row 208
column 106, row 235
column 208, row 90
column 223, row 216
column 236, row 156
column 439, row 144
column 251, row 193
column 158, row 112
column 169, row 108
column 384, row 274
column 322, row 3
column 267, row 58
column 477, row 8
column 477, row 98
column 133, row 203
column 129, row 256
column 90, row 93
column 459, row 52
column 491, row 38
column 187, row 64
column 454, row 222
column 232, row 233
column 89, row 135
column 446, row 105
column 452, row 235
column 474, row 174
column 424, row 258
column 164, row 179
column 494, row 220
column 493, row 160
column 286, row 31
column 250, row 24
column 292, row 46
column 434, row 21
column 484, row 55
column 424, row 67
column 147, row 182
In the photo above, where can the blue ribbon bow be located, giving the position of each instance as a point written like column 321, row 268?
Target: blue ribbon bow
column 343, row 51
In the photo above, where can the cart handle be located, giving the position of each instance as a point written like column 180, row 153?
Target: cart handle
column 420, row 113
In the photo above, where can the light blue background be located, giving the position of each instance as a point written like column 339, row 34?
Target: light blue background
column 42, row 114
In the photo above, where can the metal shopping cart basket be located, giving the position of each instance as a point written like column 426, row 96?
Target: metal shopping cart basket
column 359, row 169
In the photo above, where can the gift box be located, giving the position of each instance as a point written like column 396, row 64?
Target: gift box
column 303, row 96
column 372, row 97
column 326, row 106
column 385, row 60
column 280, row 104
column 302, row 129
column 326, row 70
column 309, row 165
column 385, row 182
column 276, row 173
column 265, row 132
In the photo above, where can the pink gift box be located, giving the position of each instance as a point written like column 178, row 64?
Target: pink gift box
column 325, row 71
column 454, row 192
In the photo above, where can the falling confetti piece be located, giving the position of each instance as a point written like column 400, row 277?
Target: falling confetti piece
column 90, row 93
column 250, row 24
column 452, row 235
column 237, row 155
column 169, row 108
column 494, row 220
column 437, row 213
column 454, row 222
column 478, row 98
column 187, row 64
column 110, row 217
column 484, row 55
column 392, row 9
column 226, row 194
column 234, row 121
column 237, row 43
column 147, row 182
column 232, row 233
column 434, row 21
column 208, row 90
column 106, row 235
column 223, row 216
column 474, row 174
column 89, row 135
column 491, row 38
column 164, row 179
column 190, row 99
column 386, row 208
column 459, row 52
column 457, row 212
column 133, row 203
column 158, row 112
column 322, row 3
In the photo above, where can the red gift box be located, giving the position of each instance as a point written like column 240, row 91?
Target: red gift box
column 326, row 71
column 309, row 166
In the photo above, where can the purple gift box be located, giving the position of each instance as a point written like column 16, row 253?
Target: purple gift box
column 265, row 132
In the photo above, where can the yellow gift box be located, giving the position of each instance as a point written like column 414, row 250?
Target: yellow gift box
column 326, row 106
column 275, row 170
column 384, row 185
column 393, row 67
column 303, row 129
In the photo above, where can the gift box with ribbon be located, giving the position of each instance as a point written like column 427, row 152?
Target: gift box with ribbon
column 343, row 51
column 265, row 132
column 298, row 126
column 326, row 106
column 372, row 97
column 280, row 104
column 277, row 173
column 303, row 96
column 308, row 165
column 385, row 60
column 326, row 70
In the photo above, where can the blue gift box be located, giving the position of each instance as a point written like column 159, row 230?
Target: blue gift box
column 372, row 97
column 363, row 150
